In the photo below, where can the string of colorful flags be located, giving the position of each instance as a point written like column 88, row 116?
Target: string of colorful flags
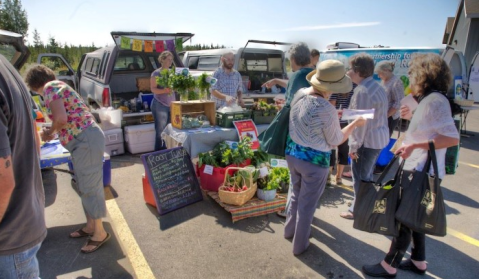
column 147, row 45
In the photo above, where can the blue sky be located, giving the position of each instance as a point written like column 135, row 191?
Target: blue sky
column 399, row 23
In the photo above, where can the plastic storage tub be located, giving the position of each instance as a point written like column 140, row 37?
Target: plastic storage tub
column 140, row 138
column 114, row 142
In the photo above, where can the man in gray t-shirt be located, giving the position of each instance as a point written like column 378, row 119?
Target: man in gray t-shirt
column 22, row 200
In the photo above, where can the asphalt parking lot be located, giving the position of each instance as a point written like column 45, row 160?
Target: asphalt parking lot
column 200, row 240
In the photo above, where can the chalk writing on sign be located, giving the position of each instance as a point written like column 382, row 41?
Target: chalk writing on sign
column 172, row 178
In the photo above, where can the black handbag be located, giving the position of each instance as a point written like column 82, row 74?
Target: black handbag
column 422, row 206
column 376, row 204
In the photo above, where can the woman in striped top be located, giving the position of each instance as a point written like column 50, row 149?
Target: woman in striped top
column 313, row 130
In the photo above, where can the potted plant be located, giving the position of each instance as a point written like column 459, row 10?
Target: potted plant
column 204, row 82
column 183, row 84
column 278, row 178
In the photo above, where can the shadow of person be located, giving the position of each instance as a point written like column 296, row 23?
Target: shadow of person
column 445, row 261
column 125, row 160
column 470, row 141
column 453, row 196
column 60, row 255
column 352, row 251
column 49, row 179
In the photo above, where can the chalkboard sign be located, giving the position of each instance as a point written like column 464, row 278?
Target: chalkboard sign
column 172, row 179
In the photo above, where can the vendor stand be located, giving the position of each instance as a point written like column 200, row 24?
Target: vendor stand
column 199, row 140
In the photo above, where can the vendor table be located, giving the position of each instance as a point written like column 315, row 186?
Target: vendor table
column 463, row 115
column 252, row 208
column 196, row 141
column 53, row 154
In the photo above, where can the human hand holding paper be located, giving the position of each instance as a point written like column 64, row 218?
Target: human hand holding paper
column 351, row 114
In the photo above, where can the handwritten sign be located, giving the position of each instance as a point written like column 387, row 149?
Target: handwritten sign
column 172, row 178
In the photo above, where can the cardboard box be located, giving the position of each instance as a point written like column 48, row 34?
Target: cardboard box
column 140, row 138
column 192, row 108
column 143, row 84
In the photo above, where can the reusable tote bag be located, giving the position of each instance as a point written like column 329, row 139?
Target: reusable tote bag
column 273, row 139
column 422, row 205
column 376, row 204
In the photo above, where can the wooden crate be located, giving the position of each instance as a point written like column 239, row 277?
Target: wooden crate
column 193, row 108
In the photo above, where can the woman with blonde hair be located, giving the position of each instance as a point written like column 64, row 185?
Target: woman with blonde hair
column 429, row 78
column 163, row 96
column 313, row 130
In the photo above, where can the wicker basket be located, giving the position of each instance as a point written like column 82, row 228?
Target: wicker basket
column 237, row 198
column 464, row 103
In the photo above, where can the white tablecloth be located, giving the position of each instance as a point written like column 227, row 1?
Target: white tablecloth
column 196, row 141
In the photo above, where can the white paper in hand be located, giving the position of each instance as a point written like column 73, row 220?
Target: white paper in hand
column 351, row 114
column 410, row 102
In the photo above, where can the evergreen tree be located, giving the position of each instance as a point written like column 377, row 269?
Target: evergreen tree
column 13, row 17
column 37, row 40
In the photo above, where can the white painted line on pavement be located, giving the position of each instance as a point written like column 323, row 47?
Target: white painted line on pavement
column 471, row 165
column 133, row 251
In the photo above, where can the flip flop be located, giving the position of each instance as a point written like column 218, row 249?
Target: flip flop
column 339, row 181
column 97, row 244
column 347, row 215
column 347, row 174
column 81, row 233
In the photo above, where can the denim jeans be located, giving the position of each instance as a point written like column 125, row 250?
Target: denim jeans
column 162, row 117
column 363, row 168
column 23, row 265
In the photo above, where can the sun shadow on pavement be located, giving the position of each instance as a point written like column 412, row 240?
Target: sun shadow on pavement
column 60, row 256
column 49, row 179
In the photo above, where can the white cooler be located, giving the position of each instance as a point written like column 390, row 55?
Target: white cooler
column 114, row 142
column 140, row 138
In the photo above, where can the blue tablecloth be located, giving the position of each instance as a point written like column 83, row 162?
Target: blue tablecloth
column 53, row 154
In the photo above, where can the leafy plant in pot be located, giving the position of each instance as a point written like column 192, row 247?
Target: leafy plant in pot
column 278, row 178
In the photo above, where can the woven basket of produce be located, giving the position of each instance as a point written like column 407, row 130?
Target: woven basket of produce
column 238, row 188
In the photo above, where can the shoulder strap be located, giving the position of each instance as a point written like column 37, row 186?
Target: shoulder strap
column 432, row 153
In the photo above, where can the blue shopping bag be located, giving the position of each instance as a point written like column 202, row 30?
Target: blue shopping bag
column 386, row 156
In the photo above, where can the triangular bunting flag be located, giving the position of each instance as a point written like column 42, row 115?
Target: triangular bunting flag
column 137, row 45
column 148, row 46
column 159, row 46
column 125, row 43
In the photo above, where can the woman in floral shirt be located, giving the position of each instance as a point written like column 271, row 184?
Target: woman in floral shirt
column 79, row 134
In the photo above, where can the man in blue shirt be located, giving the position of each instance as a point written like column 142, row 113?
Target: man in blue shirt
column 229, row 87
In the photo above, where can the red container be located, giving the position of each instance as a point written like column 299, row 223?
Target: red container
column 147, row 192
column 211, row 182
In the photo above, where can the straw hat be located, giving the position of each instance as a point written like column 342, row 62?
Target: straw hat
column 330, row 75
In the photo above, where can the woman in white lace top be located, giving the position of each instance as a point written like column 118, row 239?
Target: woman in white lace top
column 429, row 78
